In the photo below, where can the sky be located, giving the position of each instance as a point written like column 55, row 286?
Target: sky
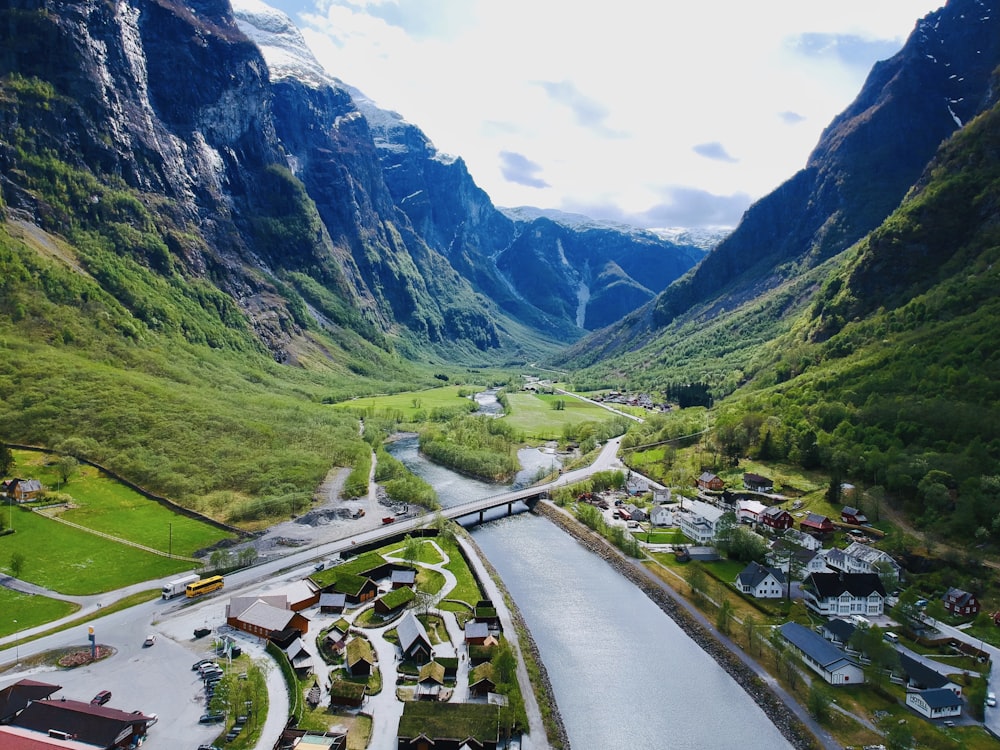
column 656, row 114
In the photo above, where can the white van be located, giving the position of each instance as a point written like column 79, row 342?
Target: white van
column 860, row 621
column 891, row 637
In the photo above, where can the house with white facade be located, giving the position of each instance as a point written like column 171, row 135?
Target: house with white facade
column 935, row 704
column 876, row 560
column 749, row 511
column 788, row 557
column 844, row 594
column 840, row 561
column 699, row 520
column 802, row 539
column 825, row 659
column 663, row 515
column 761, row 582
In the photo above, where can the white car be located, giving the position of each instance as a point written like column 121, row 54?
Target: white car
column 150, row 640
column 991, row 699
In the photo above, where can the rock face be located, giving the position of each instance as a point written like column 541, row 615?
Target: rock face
column 262, row 176
column 865, row 162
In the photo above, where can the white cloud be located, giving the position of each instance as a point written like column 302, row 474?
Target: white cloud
column 606, row 103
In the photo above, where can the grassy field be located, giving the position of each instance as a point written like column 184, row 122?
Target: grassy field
column 109, row 506
column 413, row 406
column 537, row 419
column 71, row 561
column 24, row 611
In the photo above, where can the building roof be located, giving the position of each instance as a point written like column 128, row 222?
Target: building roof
column 842, row 630
column 240, row 604
column 920, row 674
column 432, row 671
column 812, row 644
column 409, row 631
column 815, row 519
column 351, row 584
column 850, row 511
column 359, row 649
column 95, row 725
column 754, row 574
column 707, row 476
column 709, row 512
column 398, row 598
column 15, row 697
column 476, row 629
column 958, row 596
column 752, row 478
column 19, row 738
column 774, row 511
column 869, row 554
column 297, row 592
column 830, row 585
column 405, row 577
column 266, row 616
column 453, row 721
column 333, row 600
column 751, row 506
column 940, row 698
column 481, row 672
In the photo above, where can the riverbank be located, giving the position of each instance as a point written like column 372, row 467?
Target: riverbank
column 780, row 714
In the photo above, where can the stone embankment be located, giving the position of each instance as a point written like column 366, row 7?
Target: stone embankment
column 543, row 693
column 787, row 723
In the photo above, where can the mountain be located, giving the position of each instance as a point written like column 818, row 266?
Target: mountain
column 864, row 164
column 557, row 272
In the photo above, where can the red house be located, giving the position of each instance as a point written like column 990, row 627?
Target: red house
column 816, row 524
column 853, row 516
column 961, row 603
column 709, row 481
column 777, row 518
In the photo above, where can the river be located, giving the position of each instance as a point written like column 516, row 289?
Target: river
column 624, row 675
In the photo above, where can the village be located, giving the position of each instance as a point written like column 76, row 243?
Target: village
column 836, row 600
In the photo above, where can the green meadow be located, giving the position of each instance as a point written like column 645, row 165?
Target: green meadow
column 539, row 419
column 104, row 504
column 415, row 406
column 71, row 561
column 24, row 611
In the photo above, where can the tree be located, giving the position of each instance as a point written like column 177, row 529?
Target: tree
column 750, row 633
column 411, row 549
column 819, row 702
column 66, row 467
column 697, row 579
column 17, row 561
column 444, row 527
column 6, row 459
column 723, row 616
column 899, row 737
column 504, row 663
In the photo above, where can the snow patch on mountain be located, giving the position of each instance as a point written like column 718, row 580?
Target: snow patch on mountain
column 282, row 44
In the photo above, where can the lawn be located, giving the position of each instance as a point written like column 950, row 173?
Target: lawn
column 664, row 536
column 109, row 506
column 24, row 611
column 72, row 561
column 536, row 417
column 409, row 405
column 466, row 589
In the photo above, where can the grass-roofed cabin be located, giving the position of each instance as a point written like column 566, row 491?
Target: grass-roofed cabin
column 448, row 726
column 351, row 694
column 356, row 589
column 359, row 658
column 481, row 680
column 393, row 603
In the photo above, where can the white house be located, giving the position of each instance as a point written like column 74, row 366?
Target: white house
column 938, row 703
column 748, row 511
column 760, row 582
column 839, row 560
column 876, row 559
column 661, row 495
column 821, row 656
column 698, row 521
column 663, row 515
column 840, row 594
column 806, row 561
column 802, row 539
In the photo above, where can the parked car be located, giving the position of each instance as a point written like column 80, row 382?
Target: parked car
column 201, row 663
column 101, row 698
column 212, row 718
column 201, row 632
column 150, row 640
column 991, row 699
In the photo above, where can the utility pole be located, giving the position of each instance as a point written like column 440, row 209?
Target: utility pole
column 170, row 540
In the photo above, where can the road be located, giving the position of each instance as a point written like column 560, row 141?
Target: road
column 159, row 679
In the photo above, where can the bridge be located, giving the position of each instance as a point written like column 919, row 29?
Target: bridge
column 529, row 495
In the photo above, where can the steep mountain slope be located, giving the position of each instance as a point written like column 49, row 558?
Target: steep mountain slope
column 866, row 161
column 506, row 254
column 893, row 373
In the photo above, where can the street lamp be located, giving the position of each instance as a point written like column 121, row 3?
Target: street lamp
column 17, row 648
